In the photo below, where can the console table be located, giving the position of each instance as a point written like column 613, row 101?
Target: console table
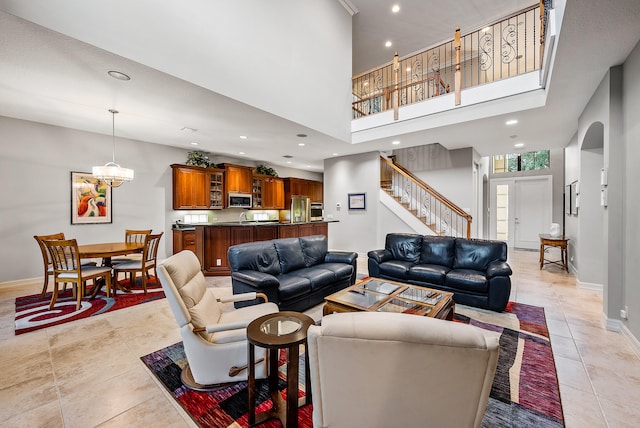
column 547, row 240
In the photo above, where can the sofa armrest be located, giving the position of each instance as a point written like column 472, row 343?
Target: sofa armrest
column 380, row 256
column 256, row 279
column 340, row 257
column 498, row 268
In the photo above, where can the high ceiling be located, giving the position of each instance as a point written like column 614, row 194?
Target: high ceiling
column 39, row 83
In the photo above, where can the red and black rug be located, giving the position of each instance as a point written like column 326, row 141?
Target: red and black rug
column 524, row 394
column 32, row 313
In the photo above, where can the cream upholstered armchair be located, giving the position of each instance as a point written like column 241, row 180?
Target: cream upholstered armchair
column 374, row 369
column 215, row 341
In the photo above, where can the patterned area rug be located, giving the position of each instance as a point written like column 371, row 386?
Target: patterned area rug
column 525, row 390
column 32, row 313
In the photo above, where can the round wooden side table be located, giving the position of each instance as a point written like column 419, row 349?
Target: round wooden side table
column 547, row 240
column 282, row 330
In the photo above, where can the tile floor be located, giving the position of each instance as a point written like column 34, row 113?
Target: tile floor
column 88, row 373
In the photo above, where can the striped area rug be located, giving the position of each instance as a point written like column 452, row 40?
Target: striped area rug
column 524, row 394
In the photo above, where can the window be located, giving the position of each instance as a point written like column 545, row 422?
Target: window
column 529, row 161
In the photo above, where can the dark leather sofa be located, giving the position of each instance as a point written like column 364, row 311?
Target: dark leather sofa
column 474, row 270
column 294, row 273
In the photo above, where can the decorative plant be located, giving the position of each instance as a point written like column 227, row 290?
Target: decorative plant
column 198, row 159
column 263, row 169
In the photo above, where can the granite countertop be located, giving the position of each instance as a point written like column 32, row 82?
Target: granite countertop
column 248, row 223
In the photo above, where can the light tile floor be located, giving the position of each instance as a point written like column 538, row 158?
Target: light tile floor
column 88, row 372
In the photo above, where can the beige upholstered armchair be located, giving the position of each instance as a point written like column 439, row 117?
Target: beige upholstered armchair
column 372, row 369
column 215, row 341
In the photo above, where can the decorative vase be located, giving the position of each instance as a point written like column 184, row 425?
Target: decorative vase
column 555, row 229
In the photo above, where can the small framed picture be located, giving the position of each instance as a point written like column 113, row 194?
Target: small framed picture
column 90, row 199
column 357, row 201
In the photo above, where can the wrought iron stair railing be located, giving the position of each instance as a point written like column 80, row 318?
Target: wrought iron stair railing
column 438, row 213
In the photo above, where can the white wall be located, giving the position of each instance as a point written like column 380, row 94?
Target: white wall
column 263, row 53
column 36, row 196
column 357, row 230
column 631, row 133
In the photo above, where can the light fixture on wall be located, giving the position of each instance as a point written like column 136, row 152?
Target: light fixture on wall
column 112, row 173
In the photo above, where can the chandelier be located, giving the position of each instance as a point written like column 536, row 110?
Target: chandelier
column 112, row 173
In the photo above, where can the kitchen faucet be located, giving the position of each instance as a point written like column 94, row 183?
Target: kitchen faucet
column 242, row 214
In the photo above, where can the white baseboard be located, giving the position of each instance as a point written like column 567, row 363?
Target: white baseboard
column 590, row 286
column 619, row 327
column 20, row 282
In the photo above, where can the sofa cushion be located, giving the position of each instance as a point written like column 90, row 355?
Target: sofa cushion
column 340, row 270
column 476, row 254
column 290, row 254
column 438, row 250
column 292, row 285
column 314, row 249
column 433, row 274
column 467, row 280
column 318, row 276
column 404, row 246
column 396, row 268
column 256, row 256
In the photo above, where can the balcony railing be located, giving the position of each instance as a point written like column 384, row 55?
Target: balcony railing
column 507, row 48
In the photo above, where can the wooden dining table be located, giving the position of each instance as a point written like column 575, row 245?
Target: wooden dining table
column 105, row 251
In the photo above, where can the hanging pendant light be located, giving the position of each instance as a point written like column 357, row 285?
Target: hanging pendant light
column 112, row 173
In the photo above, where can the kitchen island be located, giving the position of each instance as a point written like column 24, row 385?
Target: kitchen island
column 212, row 241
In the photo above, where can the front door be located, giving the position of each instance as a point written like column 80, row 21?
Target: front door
column 521, row 209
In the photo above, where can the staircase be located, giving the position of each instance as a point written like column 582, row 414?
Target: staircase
column 439, row 214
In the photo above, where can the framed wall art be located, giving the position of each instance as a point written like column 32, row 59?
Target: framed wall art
column 567, row 199
column 90, row 199
column 357, row 201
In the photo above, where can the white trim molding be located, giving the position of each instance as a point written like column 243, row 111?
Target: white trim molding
column 590, row 286
column 619, row 327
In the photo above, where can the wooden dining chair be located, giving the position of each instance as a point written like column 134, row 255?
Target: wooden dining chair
column 144, row 265
column 132, row 236
column 67, row 268
column 46, row 257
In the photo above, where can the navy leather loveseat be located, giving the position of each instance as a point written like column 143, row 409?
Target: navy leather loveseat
column 474, row 270
column 294, row 273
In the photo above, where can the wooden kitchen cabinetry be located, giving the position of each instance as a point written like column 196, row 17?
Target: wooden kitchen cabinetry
column 216, row 187
column 302, row 187
column 189, row 240
column 238, row 179
column 268, row 192
column 191, row 187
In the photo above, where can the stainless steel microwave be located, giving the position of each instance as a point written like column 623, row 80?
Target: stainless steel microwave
column 239, row 200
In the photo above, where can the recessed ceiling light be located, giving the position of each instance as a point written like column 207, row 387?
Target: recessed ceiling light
column 388, row 43
column 243, row 137
column 395, row 8
column 288, row 161
column 334, row 154
column 395, row 143
column 518, row 145
column 194, row 144
column 118, row 75
column 241, row 153
column 301, row 144
column 511, row 122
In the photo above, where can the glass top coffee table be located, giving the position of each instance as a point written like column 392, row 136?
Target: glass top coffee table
column 382, row 295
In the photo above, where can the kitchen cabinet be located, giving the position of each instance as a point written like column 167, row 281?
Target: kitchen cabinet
column 191, row 186
column 189, row 240
column 265, row 233
column 216, row 187
column 302, row 187
column 216, row 244
column 268, row 192
column 288, row 231
column 238, row 178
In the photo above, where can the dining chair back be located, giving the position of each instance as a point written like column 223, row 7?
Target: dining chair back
column 132, row 236
column 46, row 257
column 65, row 259
column 144, row 265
